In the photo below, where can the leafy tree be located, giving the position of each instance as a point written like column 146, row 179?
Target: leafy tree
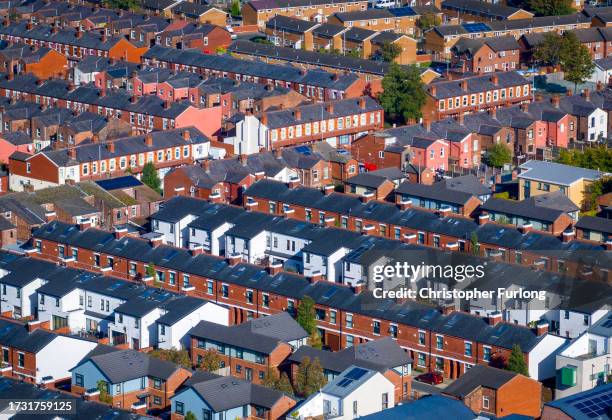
column 498, row 155
column 235, row 8
column 403, row 94
column 516, row 361
column 150, row 272
column 599, row 188
column 550, row 7
column 282, row 383
column 548, row 52
column 210, row 361
column 474, row 245
column 428, row 21
column 599, row 158
column 180, row 357
column 122, row 4
column 102, row 386
column 190, row 416
column 389, row 51
column 150, row 177
column 578, row 65
column 309, row 378
column 306, row 315
column 315, row 340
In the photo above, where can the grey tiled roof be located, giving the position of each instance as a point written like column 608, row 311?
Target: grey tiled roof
column 477, row 84
column 479, row 376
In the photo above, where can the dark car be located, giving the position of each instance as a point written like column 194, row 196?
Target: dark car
column 431, row 378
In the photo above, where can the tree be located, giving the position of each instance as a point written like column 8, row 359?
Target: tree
column 389, row 51
column 600, row 187
column 102, row 386
column 210, row 361
column 122, row 4
column 151, row 273
column 474, row 245
column 282, row 383
column 190, row 416
column 428, row 21
column 180, row 357
column 315, row 340
column 306, row 315
column 599, row 158
column 403, row 94
column 309, row 378
column 578, row 65
column 235, row 8
column 516, row 361
column 548, row 52
column 498, row 155
column 550, row 7
column 150, row 177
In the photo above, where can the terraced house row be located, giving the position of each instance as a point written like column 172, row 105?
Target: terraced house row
column 144, row 113
column 314, row 84
column 447, row 342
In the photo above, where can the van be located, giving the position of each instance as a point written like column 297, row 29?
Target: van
column 384, row 4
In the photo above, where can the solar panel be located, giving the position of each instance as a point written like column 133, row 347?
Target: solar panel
column 345, row 382
column 402, row 11
column 476, row 27
column 356, row 374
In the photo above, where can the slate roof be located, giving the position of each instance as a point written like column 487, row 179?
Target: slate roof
column 435, row 406
column 380, row 355
column 367, row 180
column 275, row 4
column 556, row 173
column 226, row 392
column 290, row 24
column 547, row 209
column 437, row 191
column 496, row 11
column 124, row 365
column 16, row 335
column 261, row 334
column 598, row 224
column 482, row 376
column 351, row 64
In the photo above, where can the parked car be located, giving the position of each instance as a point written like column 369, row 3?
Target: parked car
column 431, row 378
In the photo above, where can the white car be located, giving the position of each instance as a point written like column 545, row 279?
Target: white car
column 384, row 4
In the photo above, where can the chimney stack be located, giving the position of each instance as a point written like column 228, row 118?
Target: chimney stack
column 555, row 101
column 186, row 135
column 495, row 318
column 569, row 92
column 95, row 138
column 427, row 125
column 493, row 112
column 149, row 140
column 464, row 85
column 328, row 189
column 495, row 79
column 72, row 153
column 330, row 108
column 541, row 328
column 297, row 114
column 433, row 89
column 133, row 99
column 111, row 147
column 362, row 103
column 166, row 104
column 586, row 94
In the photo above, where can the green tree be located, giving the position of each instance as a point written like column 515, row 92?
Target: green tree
column 235, row 8
column 309, row 378
column 474, row 245
column 403, row 94
column 389, row 51
column 151, row 273
column 306, row 315
column 599, row 158
column 190, row 416
column 150, row 177
column 102, row 386
column 282, row 383
column 315, row 340
column 578, row 65
column 180, row 357
column 210, row 361
column 428, row 21
column 600, row 187
column 550, row 7
column 548, row 52
column 498, row 155
column 516, row 361
column 122, row 4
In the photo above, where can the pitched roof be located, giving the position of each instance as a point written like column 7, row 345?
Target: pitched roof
column 480, row 376
column 556, row 173
column 598, row 224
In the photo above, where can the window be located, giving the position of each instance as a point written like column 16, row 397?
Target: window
column 224, row 290
column 206, row 414
column 332, row 317
column 354, row 408
column 78, row 380
column 422, row 338
column 265, row 300
column 439, row 342
column 249, row 296
column 179, row 408
column 157, row 400
column 421, row 359
column 385, row 400
column 349, row 340
column 20, row 359
column 485, row 402
column 468, row 349
column 349, row 320
column 209, row 287
column 157, row 384
column 486, row 354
